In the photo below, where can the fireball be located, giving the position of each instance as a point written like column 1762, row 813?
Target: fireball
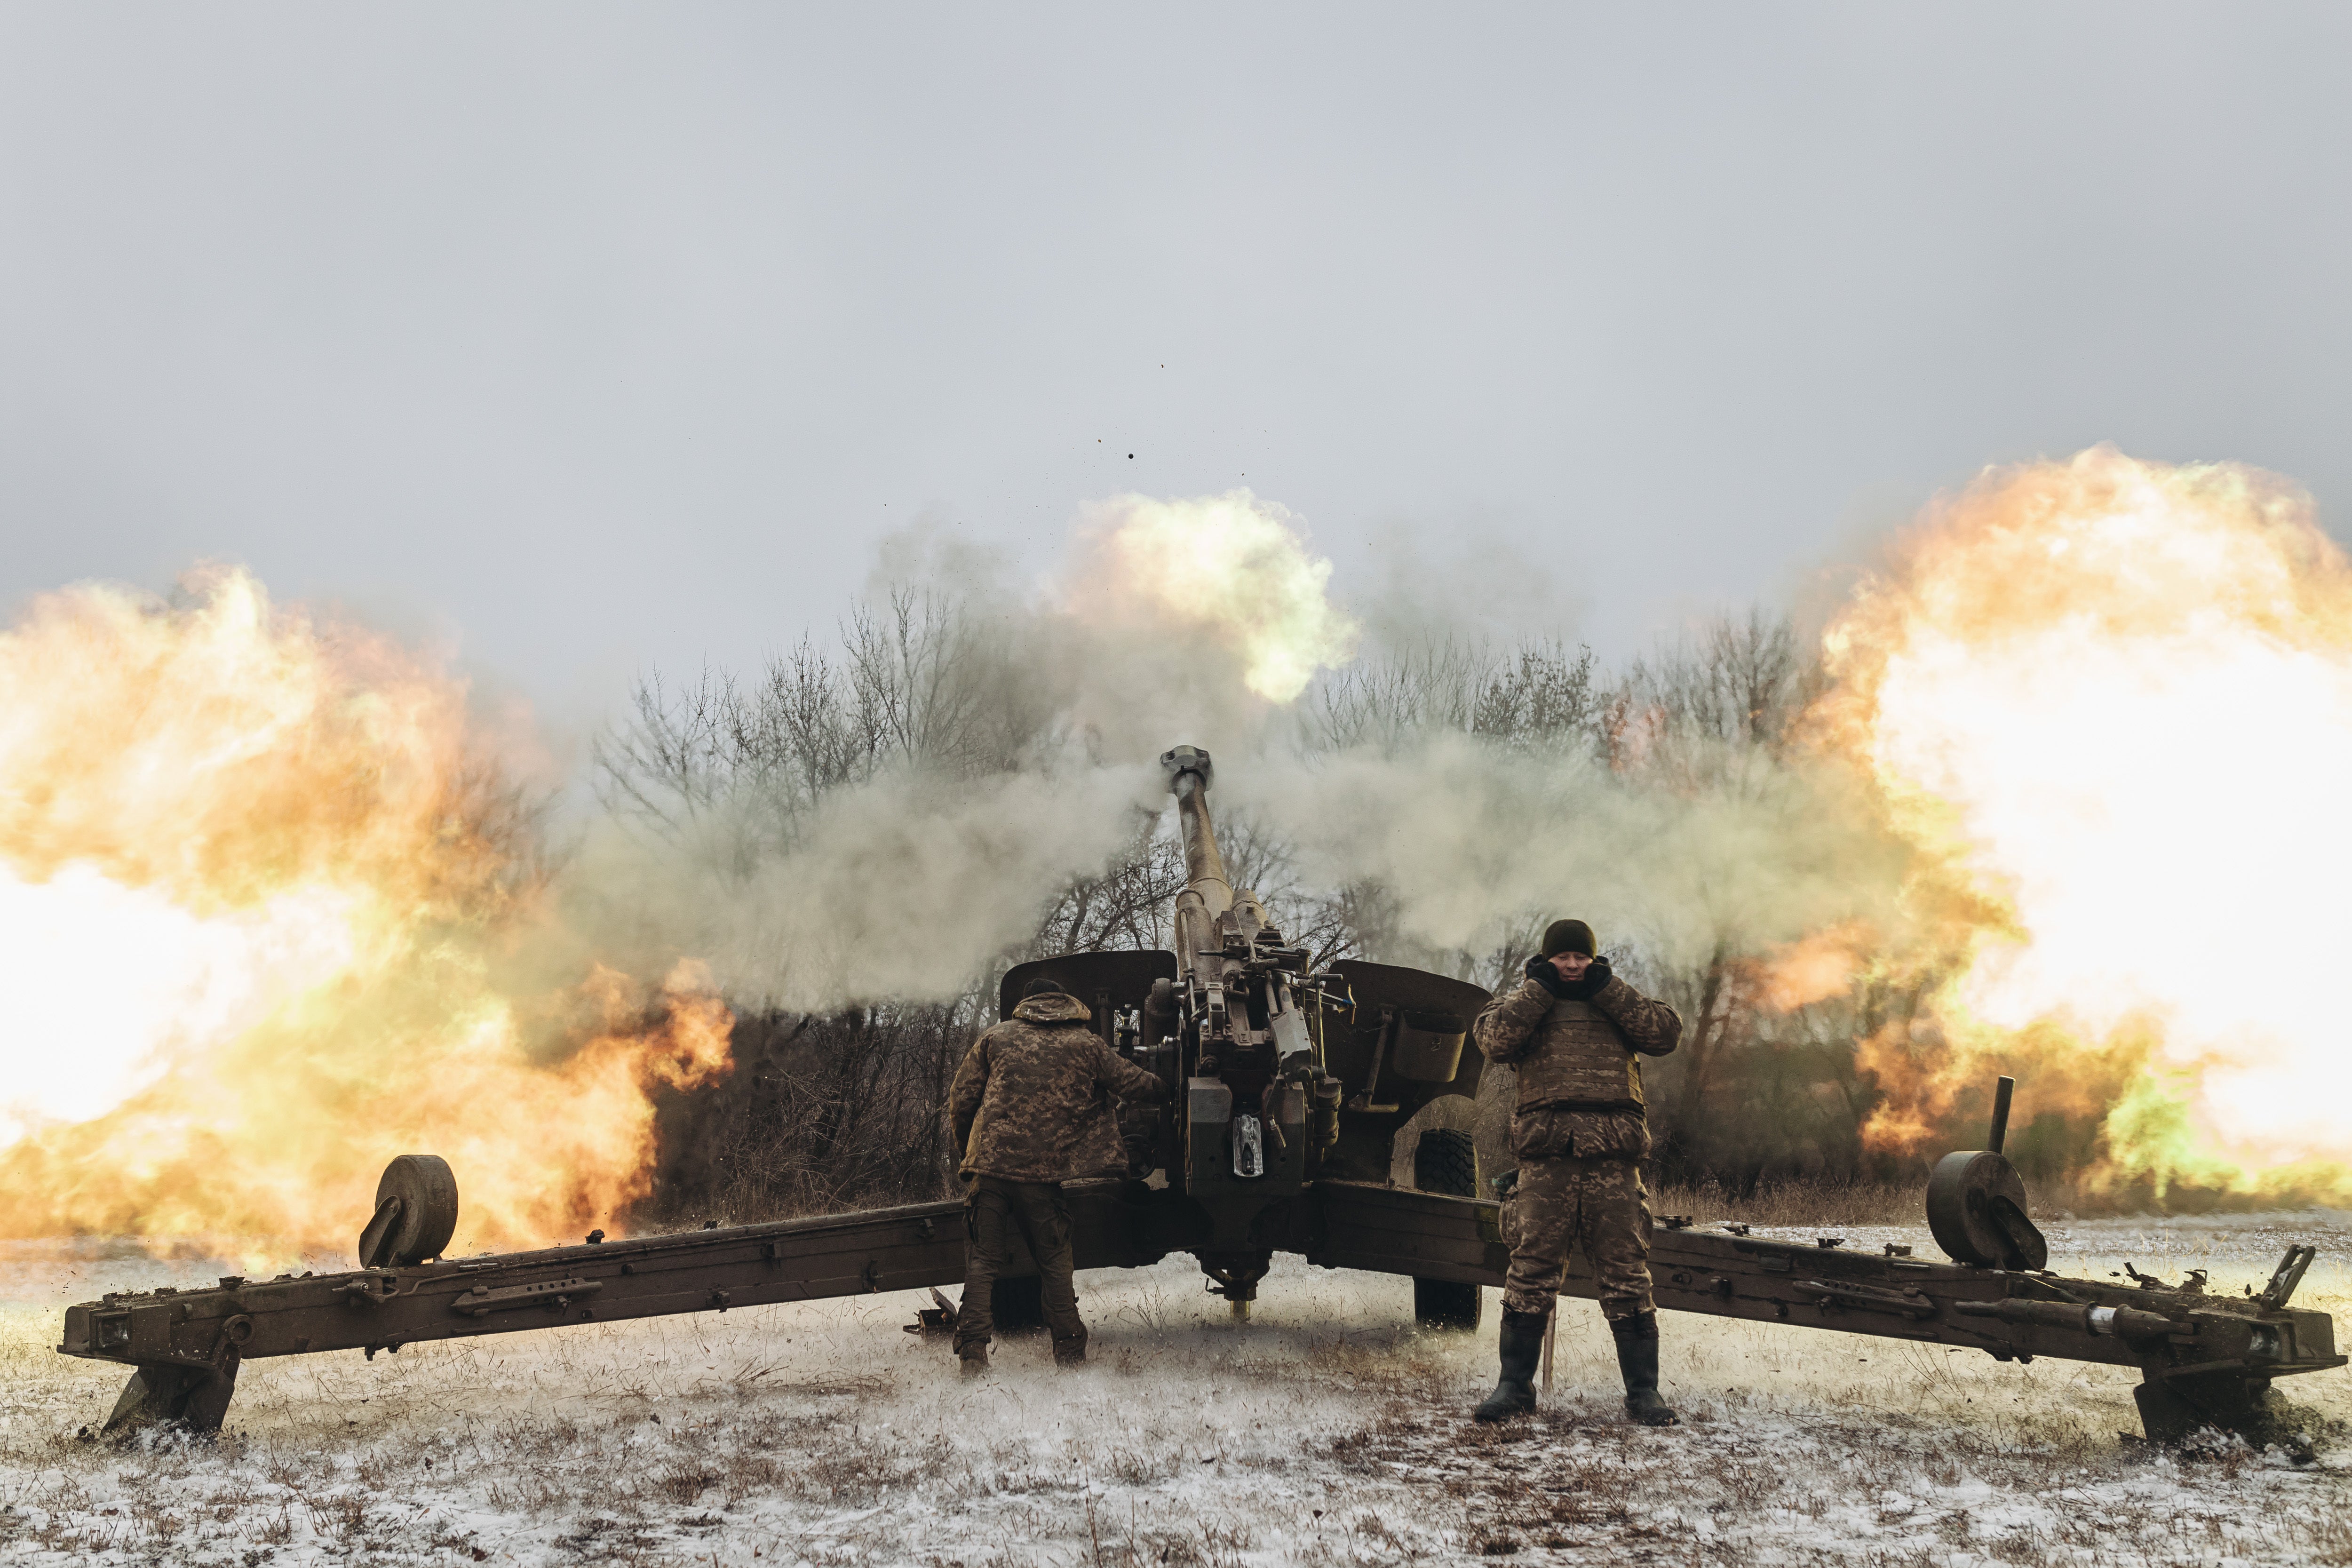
column 258, row 885
column 2117, row 695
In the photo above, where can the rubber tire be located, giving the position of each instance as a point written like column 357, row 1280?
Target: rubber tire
column 428, row 1216
column 1446, row 1161
column 1019, row 1303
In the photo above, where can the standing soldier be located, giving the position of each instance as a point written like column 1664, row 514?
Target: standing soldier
column 1573, row 1030
column 1031, row 1110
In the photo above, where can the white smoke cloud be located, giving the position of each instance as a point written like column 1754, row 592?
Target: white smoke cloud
column 905, row 887
column 1203, row 622
column 1230, row 575
column 1475, row 845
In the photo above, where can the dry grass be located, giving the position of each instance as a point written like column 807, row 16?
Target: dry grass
column 1813, row 1201
column 1326, row 1432
column 1838, row 1201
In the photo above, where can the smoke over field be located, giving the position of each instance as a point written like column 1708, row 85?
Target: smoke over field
column 1872, row 867
column 2049, row 795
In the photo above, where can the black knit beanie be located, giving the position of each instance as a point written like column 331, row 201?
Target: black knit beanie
column 1044, row 985
column 1568, row 936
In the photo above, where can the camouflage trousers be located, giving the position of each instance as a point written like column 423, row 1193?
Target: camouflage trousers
column 1597, row 1208
column 996, row 1214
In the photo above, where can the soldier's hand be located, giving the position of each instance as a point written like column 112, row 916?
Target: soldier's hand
column 1597, row 974
column 1545, row 973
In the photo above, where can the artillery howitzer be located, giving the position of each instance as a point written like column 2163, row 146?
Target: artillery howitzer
column 1290, row 1089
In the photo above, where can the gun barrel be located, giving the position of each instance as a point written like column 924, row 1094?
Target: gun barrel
column 1205, row 865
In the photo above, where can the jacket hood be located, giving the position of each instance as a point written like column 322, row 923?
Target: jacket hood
column 1053, row 1007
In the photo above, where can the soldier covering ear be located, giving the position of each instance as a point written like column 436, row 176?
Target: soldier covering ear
column 1576, row 1034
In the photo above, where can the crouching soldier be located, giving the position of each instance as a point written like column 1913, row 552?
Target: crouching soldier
column 1573, row 1030
column 1031, row 1110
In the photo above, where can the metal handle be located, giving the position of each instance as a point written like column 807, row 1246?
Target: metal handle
column 2287, row 1277
column 2002, row 1088
column 552, row 1294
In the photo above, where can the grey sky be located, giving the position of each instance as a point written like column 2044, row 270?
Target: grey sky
column 599, row 335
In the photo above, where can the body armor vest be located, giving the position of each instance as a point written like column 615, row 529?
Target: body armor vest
column 1580, row 1062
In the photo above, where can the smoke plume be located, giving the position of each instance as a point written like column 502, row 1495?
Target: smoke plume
column 2052, row 795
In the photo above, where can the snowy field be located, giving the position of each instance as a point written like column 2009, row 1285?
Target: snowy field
column 1325, row 1431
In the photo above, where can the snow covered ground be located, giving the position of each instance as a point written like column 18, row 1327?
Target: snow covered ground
column 1325, row 1431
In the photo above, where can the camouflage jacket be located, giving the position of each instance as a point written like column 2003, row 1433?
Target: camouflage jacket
column 1032, row 1101
column 1580, row 1069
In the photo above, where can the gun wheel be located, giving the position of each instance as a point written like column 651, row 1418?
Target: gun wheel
column 422, row 1222
column 1446, row 1161
column 1975, row 1211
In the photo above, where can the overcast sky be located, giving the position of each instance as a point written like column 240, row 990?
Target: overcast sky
column 594, row 336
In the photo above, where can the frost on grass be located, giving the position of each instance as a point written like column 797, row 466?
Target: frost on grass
column 1325, row 1431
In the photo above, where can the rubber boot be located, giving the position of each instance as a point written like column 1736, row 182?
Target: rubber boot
column 1521, row 1347
column 1071, row 1352
column 973, row 1359
column 1637, row 1358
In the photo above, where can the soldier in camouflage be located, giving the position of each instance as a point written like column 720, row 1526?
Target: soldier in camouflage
column 1031, row 1108
column 1576, row 1034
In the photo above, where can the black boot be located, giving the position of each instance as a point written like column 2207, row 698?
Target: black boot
column 1637, row 1358
column 1072, row 1351
column 1522, row 1348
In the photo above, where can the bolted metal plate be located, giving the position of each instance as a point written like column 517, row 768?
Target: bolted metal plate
column 1436, row 1003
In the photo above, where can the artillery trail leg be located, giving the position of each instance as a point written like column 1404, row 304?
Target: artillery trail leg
column 191, row 1398
column 2172, row 1408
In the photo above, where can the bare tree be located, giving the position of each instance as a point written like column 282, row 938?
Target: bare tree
column 1543, row 699
column 824, row 1112
column 1539, row 695
column 1705, row 709
column 1127, row 905
column 918, row 684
